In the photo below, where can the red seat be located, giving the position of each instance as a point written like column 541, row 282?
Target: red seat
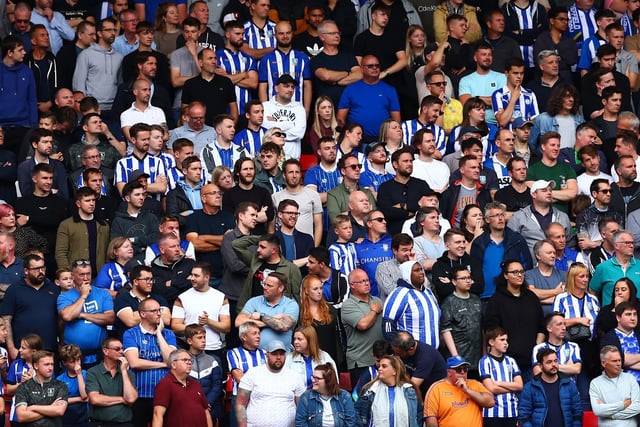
column 345, row 381
column 589, row 419
column 308, row 161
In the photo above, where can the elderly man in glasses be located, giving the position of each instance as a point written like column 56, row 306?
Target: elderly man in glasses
column 180, row 399
column 457, row 400
column 111, row 396
column 622, row 264
column 86, row 311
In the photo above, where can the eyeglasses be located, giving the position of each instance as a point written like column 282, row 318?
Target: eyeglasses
column 43, row 268
column 280, row 134
column 185, row 360
column 605, row 191
column 626, row 243
column 290, row 213
column 114, row 348
column 213, row 193
column 145, row 279
column 516, row 272
column 372, row 65
column 461, row 369
column 464, row 278
column 155, row 311
column 314, row 378
column 353, row 167
column 438, row 83
column 498, row 215
column 81, row 262
column 379, row 219
column 361, row 282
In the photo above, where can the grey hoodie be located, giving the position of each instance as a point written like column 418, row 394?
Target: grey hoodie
column 98, row 74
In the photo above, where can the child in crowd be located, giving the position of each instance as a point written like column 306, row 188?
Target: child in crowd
column 21, row 369
column 77, row 413
column 343, row 252
column 206, row 368
column 64, row 279
column 500, row 374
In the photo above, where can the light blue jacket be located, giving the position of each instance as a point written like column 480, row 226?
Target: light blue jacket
column 365, row 402
column 544, row 123
column 309, row 410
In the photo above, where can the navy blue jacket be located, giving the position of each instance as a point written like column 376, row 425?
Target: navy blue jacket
column 532, row 409
column 515, row 247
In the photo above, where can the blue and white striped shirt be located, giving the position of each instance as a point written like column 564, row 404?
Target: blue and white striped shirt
column 260, row 38
column 152, row 165
column 411, row 127
column 526, row 106
column 276, row 63
column 572, row 308
column 243, row 359
column 372, row 179
column 589, row 48
column 146, row 344
column 416, row 312
column 629, row 344
column 343, row 257
column 504, row 180
column 250, row 140
column 500, row 369
column 568, row 352
column 627, row 24
column 112, row 276
column 526, row 21
column 234, row 63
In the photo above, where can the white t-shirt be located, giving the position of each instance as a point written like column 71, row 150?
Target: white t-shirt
column 272, row 401
column 435, row 173
column 584, row 182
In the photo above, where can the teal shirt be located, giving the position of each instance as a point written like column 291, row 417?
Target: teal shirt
column 607, row 274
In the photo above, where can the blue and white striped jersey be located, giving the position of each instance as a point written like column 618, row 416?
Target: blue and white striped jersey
column 500, row 369
column 276, row 63
column 234, row 63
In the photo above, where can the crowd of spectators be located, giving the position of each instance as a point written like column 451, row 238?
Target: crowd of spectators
column 227, row 214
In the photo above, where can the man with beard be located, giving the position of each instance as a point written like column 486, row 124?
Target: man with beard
column 430, row 111
column 434, row 172
column 236, row 65
column 310, row 205
column 338, row 198
column 42, row 142
column 30, row 307
column 141, row 110
column 285, row 60
column 205, row 306
column 184, row 199
column 295, row 245
column 246, row 191
column 516, row 195
column 83, row 236
column 467, row 190
column 98, row 68
column 398, row 198
column 625, row 192
column 482, row 82
column 269, row 391
column 251, row 137
column 550, row 396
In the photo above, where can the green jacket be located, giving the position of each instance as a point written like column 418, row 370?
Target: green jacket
column 338, row 199
column 250, row 257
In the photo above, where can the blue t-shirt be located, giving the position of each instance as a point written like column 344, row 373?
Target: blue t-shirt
column 493, row 254
column 84, row 333
column 361, row 98
column 77, row 414
column 284, row 306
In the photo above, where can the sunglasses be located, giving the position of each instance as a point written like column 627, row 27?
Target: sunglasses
column 372, row 65
column 280, row 134
column 353, row 167
column 81, row 262
column 461, row 369
column 438, row 83
column 379, row 219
